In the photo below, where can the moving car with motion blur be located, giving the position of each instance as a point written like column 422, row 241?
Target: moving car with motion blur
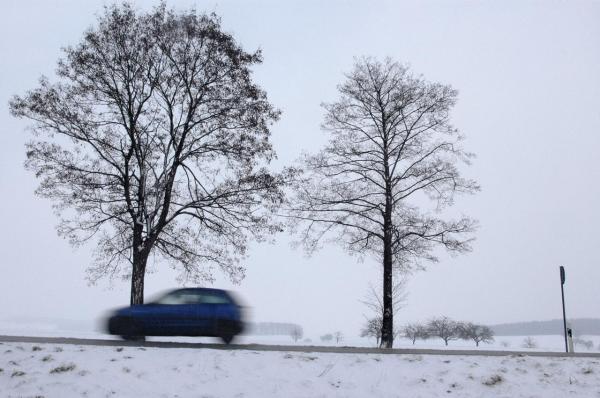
column 181, row 312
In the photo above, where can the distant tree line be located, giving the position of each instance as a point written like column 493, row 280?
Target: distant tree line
column 580, row 326
column 274, row 329
column 441, row 327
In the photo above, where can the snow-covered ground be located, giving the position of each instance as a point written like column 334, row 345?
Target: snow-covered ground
column 50, row 370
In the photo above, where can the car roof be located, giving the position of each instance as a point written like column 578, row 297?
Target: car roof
column 199, row 289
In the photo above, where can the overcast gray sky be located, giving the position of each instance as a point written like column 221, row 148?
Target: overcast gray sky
column 528, row 75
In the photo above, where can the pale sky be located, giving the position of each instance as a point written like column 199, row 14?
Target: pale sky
column 528, row 75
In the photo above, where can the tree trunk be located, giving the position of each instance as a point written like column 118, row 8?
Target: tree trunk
column 387, row 330
column 138, row 271
column 137, row 280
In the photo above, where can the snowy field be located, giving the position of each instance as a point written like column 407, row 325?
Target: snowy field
column 51, row 370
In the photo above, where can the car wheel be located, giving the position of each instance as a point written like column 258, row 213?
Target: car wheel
column 132, row 332
column 227, row 338
column 133, row 338
column 226, row 331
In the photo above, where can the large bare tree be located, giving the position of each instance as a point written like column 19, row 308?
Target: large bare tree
column 154, row 141
column 389, row 169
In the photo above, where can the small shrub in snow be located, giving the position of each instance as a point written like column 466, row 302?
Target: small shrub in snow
column 327, row 337
column 119, row 349
column 17, row 373
column 587, row 344
column 296, row 333
column 63, row 368
column 587, row 371
column 505, row 344
column 529, row 342
column 58, row 349
column 493, row 380
column 36, row 348
column 47, row 358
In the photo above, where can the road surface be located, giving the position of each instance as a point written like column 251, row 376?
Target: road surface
column 293, row 348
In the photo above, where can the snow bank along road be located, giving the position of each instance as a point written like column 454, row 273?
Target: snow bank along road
column 295, row 348
column 48, row 370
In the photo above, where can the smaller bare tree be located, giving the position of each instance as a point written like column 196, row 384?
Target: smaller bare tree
column 392, row 164
column 529, row 342
column 444, row 328
column 587, row 344
column 296, row 333
column 477, row 333
column 338, row 336
column 414, row 331
column 373, row 328
column 374, row 301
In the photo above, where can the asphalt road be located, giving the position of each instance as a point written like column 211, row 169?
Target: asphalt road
column 293, row 348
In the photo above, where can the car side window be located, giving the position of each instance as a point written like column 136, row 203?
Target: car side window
column 174, row 298
column 179, row 298
column 214, row 298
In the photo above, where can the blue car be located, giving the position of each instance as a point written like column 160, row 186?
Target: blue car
column 182, row 312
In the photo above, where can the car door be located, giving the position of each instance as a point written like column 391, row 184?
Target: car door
column 204, row 313
column 183, row 317
column 151, row 318
column 216, row 309
column 173, row 315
